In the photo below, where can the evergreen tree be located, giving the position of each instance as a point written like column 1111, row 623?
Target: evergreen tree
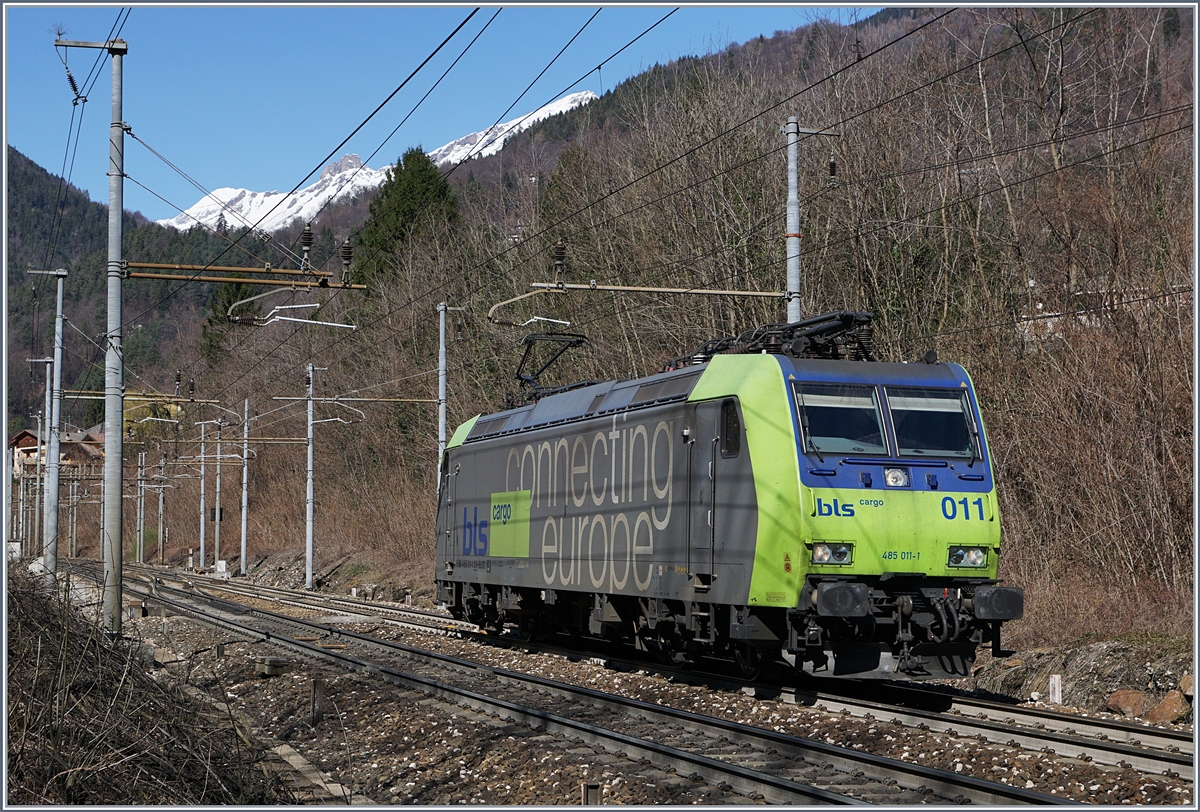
column 414, row 199
column 218, row 325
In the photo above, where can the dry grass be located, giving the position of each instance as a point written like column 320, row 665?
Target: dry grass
column 88, row 725
column 1075, row 608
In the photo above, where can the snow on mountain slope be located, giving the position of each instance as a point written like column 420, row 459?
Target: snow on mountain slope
column 346, row 178
column 489, row 142
column 241, row 207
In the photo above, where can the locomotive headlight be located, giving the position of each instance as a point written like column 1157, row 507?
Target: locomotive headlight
column 967, row 557
column 895, row 477
column 832, row 553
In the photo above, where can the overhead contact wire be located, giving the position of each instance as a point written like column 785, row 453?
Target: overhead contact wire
column 319, row 166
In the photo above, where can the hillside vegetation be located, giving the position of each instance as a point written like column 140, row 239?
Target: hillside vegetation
column 1013, row 188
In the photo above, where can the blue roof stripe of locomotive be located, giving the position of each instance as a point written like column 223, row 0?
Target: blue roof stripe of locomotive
column 610, row 397
column 945, row 375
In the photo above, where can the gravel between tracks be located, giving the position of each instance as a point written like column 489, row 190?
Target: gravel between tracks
column 397, row 747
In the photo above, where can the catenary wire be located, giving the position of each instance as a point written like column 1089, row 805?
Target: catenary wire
column 874, row 179
column 337, row 291
column 443, row 285
column 65, row 176
column 329, row 347
column 624, row 47
column 372, row 155
column 856, row 234
column 319, row 166
column 779, row 149
column 647, row 174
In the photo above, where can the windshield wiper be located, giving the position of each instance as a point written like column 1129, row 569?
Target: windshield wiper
column 804, row 424
column 977, row 443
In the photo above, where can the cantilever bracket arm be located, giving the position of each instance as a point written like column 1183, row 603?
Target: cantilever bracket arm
column 492, row 313
column 229, row 313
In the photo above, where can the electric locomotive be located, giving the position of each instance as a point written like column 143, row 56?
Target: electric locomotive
column 780, row 495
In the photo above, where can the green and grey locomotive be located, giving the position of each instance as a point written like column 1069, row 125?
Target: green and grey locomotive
column 779, row 496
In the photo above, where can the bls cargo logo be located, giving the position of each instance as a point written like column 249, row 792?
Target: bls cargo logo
column 504, row 529
column 835, row 509
column 474, row 534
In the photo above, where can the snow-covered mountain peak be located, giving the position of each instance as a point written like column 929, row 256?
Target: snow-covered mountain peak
column 348, row 163
column 346, row 178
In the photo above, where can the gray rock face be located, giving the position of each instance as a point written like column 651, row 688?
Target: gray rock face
column 1090, row 674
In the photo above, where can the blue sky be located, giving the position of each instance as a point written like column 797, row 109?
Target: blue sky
column 256, row 97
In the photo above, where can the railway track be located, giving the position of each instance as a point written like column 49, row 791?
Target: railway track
column 875, row 779
column 1154, row 751
column 755, row 762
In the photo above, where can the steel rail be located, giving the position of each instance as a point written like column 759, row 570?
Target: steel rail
column 1059, row 741
column 357, row 606
column 1149, row 750
column 878, row 768
column 745, row 780
column 1100, row 740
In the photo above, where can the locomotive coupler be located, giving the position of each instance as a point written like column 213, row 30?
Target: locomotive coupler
column 812, row 634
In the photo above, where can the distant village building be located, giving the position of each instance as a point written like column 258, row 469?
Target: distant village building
column 76, row 448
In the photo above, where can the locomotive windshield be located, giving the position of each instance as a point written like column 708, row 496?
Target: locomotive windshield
column 932, row 422
column 840, row 418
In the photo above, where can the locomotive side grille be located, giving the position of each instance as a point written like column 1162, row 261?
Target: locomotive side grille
column 487, row 425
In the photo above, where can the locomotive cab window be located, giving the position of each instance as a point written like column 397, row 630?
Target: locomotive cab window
column 932, row 422
column 840, row 418
column 731, row 429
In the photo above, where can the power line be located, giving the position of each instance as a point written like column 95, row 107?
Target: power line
column 327, row 348
column 776, row 150
column 500, row 254
column 859, row 233
column 627, row 45
column 320, row 165
column 67, row 172
column 442, row 286
column 372, row 155
column 933, row 167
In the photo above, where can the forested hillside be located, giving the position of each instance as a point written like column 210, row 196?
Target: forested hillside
column 1013, row 189
column 54, row 225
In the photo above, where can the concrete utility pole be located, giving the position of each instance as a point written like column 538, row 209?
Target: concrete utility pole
column 21, row 509
column 245, row 474
column 793, row 130
column 793, row 222
column 114, row 364
column 442, row 309
column 162, row 491
column 43, row 441
column 203, row 507
column 74, row 520
column 308, row 441
column 140, row 546
column 217, row 509
column 308, row 504
column 114, row 361
column 53, row 465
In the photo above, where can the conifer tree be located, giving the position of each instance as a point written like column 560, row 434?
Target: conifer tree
column 414, row 199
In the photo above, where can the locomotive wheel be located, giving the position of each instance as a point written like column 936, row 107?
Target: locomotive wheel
column 667, row 649
column 749, row 659
column 529, row 627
